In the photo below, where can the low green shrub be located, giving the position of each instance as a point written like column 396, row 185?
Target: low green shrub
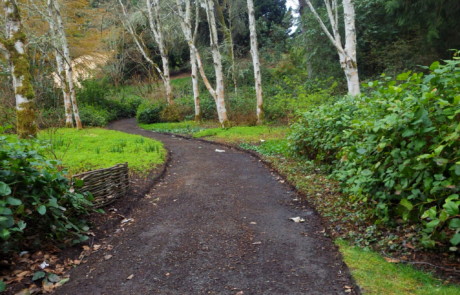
column 94, row 116
column 397, row 147
column 37, row 203
column 171, row 113
column 149, row 113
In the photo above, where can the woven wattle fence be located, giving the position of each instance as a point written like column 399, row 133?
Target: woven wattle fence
column 106, row 185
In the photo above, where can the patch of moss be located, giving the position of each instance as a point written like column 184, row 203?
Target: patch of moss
column 26, row 126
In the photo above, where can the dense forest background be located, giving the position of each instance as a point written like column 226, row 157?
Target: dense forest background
column 392, row 36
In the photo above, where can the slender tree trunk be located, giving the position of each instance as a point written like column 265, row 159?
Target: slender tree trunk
column 138, row 41
column 153, row 9
column 20, row 70
column 65, row 92
column 347, row 53
column 167, row 76
column 351, row 66
column 196, row 90
column 186, row 25
column 227, row 31
column 217, row 58
column 60, row 64
column 65, row 51
column 67, row 64
column 256, row 62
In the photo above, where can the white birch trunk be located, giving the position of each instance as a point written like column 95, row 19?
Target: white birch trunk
column 196, row 90
column 153, row 12
column 138, row 41
column 186, row 25
column 255, row 61
column 351, row 65
column 347, row 53
column 60, row 65
column 217, row 58
column 67, row 62
column 19, row 64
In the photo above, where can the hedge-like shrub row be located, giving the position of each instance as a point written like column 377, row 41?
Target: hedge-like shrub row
column 396, row 147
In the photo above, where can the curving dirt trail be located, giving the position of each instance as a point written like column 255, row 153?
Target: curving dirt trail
column 220, row 226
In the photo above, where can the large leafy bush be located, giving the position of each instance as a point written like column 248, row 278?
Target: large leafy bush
column 36, row 201
column 149, row 113
column 397, row 147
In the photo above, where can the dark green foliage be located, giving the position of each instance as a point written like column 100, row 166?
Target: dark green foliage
column 294, row 92
column 149, row 112
column 172, row 113
column 98, row 108
column 94, row 116
column 36, row 201
column 397, row 148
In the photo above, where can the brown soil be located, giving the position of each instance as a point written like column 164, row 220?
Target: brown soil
column 217, row 223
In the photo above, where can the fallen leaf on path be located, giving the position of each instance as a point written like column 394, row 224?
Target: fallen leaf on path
column 252, row 222
column 107, row 257
column 130, row 277
column 220, row 151
column 392, row 260
column 239, row 293
column 126, row 220
column 297, row 219
column 257, row 243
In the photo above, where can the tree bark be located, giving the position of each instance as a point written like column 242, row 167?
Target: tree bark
column 347, row 53
column 186, row 25
column 60, row 65
column 18, row 59
column 227, row 31
column 351, row 65
column 255, row 61
column 67, row 62
column 153, row 12
column 217, row 58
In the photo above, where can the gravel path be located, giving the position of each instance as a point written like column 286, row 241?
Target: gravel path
column 220, row 225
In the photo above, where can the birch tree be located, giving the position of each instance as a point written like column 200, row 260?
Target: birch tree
column 143, row 49
column 227, row 32
column 62, row 48
column 255, row 61
column 219, row 92
column 190, row 33
column 60, row 65
column 14, row 47
column 347, row 52
column 153, row 13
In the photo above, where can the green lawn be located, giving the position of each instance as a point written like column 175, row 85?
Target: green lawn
column 185, row 127
column 240, row 134
column 377, row 276
column 94, row 148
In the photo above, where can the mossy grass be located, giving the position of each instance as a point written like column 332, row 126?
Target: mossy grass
column 184, row 127
column 246, row 134
column 377, row 276
column 95, row 148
